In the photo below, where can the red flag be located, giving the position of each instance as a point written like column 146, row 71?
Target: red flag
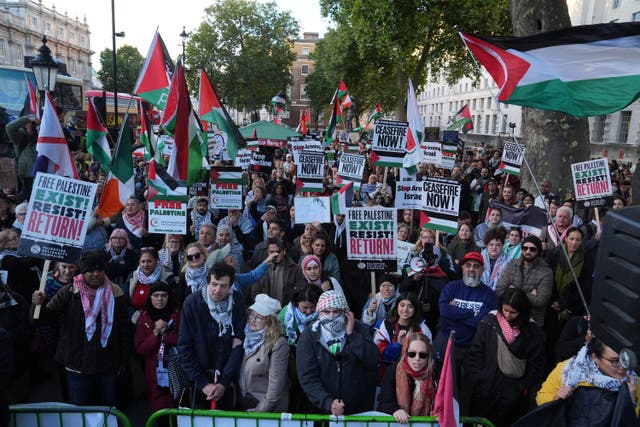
column 254, row 135
column 446, row 406
column 33, row 100
column 154, row 78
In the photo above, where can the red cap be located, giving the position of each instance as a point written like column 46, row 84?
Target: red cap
column 473, row 256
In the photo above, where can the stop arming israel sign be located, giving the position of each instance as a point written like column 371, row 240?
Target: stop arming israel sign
column 372, row 237
column 441, row 202
column 592, row 182
column 389, row 143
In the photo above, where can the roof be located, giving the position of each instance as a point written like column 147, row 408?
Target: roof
column 266, row 130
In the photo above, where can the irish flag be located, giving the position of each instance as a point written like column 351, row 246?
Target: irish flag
column 120, row 183
column 462, row 120
column 97, row 144
column 212, row 111
column 588, row 70
column 154, row 78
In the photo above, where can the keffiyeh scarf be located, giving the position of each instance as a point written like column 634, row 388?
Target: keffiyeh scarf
column 196, row 277
column 220, row 311
column 252, row 340
column 134, row 223
column 582, row 369
column 94, row 302
column 152, row 278
column 295, row 321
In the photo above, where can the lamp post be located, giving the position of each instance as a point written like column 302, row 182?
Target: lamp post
column 184, row 36
column 45, row 68
column 113, row 59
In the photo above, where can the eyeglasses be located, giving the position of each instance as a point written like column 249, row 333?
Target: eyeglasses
column 117, row 238
column 614, row 362
column 421, row 355
column 529, row 248
column 194, row 256
column 255, row 317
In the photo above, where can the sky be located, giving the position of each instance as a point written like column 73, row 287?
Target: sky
column 140, row 18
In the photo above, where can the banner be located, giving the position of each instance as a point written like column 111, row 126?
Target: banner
column 512, row 157
column 351, row 168
column 592, row 182
column 226, row 188
column 432, row 152
column 243, row 159
column 262, row 162
column 312, row 209
column 389, row 143
column 409, row 194
column 168, row 216
column 310, row 171
column 531, row 220
column 56, row 223
column 403, row 249
column 441, row 201
column 431, row 134
column 449, row 149
column 372, row 238
column 304, row 145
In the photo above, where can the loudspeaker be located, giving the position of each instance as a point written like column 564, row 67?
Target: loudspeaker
column 615, row 299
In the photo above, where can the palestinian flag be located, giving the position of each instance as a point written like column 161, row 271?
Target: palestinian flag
column 588, row 70
column 170, row 113
column 415, row 154
column 342, row 199
column 212, row 111
column 161, row 184
column 120, row 182
column 280, row 100
column 190, row 141
column 343, row 96
column 156, row 73
column 462, row 120
column 97, row 144
column 330, row 133
column 147, row 137
column 375, row 114
column 30, row 101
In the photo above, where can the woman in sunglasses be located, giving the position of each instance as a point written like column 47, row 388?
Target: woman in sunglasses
column 193, row 276
column 407, row 388
column 506, row 360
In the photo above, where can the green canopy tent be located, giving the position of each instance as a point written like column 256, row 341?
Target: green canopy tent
column 269, row 134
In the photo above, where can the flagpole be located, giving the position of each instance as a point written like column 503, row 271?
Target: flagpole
column 535, row 182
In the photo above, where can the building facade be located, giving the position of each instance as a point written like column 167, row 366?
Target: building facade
column 24, row 22
column 302, row 66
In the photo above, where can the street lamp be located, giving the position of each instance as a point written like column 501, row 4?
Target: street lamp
column 184, row 36
column 45, row 68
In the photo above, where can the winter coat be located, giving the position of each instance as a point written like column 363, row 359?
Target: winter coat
column 292, row 274
column 353, row 378
column 263, row 376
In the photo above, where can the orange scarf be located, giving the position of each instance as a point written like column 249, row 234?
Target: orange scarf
column 418, row 404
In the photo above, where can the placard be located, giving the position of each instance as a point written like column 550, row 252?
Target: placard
column 512, row 157
column 409, row 194
column 389, row 143
column 351, row 168
column 312, row 209
column 310, row 175
column 55, row 226
column 168, row 216
column 307, row 145
column 591, row 179
column 449, row 149
column 243, row 158
column 441, row 202
column 226, row 188
column 403, row 249
column 431, row 134
column 433, row 152
column 261, row 162
column 372, row 234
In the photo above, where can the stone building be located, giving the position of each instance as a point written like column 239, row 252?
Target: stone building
column 302, row 66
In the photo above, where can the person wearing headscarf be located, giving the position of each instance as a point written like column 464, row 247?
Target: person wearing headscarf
column 313, row 273
column 513, row 244
column 495, row 260
column 407, row 388
column 94, row 332
column 171, row 255
column 156, row 332
column 148, row 272
column 337, row 360
column 133, row 221
column 376, row 308
column 263, row 374
column 121, row 259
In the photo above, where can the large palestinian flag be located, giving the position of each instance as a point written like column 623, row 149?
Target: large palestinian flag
column 584, row 71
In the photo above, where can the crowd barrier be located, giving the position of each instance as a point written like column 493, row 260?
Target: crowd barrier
column 207, row 418
column 64, row 415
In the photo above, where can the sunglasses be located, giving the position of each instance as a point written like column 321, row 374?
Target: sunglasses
column 529, row 248
column 194, row 256
column 421, row 355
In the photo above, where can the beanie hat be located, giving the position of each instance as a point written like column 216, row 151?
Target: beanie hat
column 535, row 240
column 266, row 306
column 473, row 256
column 92, row 260
column 332, row 299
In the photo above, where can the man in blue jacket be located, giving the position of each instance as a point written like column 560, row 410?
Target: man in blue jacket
column 211, row 335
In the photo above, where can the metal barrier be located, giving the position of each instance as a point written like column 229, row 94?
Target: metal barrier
column 64, row 415
column 208, row 418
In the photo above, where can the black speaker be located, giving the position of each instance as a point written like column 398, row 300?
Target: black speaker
column 615, row 300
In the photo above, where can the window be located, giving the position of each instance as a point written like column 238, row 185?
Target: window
column 486, row 124
column 305, row 51
column 494, row 124
column 60, row 32
column 19, row 54
column 598, row 131
column 47, row 26
column 303, row 92
column 3, row 52
column 635, row 17
column 34, row 21
column 479, row 123
column 473, row 104
column 503, row 126
column 616, row 3
column 72, row 35
column 623, row 130
column 81, row 40
column 488, row 103
column 305, row 69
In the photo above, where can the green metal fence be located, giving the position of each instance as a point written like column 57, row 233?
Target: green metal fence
column 64, row 415
column 207, row 418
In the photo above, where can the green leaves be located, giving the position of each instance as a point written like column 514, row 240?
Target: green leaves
column 129, row 62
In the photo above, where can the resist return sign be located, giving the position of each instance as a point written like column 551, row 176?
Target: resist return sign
column 372, row 233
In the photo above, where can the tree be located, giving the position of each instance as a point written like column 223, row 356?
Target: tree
column 246, row 49
column 390, row 42
column 553, row 140
column 129, row 62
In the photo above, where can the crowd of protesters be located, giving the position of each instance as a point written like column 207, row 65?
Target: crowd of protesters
column 267, row 314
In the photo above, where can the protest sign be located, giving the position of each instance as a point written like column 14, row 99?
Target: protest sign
column 441, row 201
column 56, row 223
column 449, row 149
column 432, row 134
column 262, row 161
column 330, row 157
column 592, row 182
column 409, row 194
column 226, row 188
column 403, row 249
column 432, row 152
column 243, row 158
column 351, row 168
column 372, row 238
column 312, row 209
column 199, row 189
column 512, row 157
column 310, row 171
column 389, row 143
column 168, row 216
column 305, row 145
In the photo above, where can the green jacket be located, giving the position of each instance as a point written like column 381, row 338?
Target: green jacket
column 25, row 150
